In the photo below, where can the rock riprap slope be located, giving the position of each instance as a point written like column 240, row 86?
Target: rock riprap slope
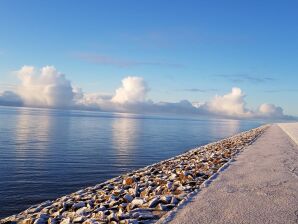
column 142, row 196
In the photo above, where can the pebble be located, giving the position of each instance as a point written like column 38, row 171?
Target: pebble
column 79, row 205
column 128, row 198
column 82, row 211
column 153, row 202
column 52, row 221
column 40, row 221
column 137, row 202
column 27, row 221
column 166, row 199
column 128, row 181
column 65, row 221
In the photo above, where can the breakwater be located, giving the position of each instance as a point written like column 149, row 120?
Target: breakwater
column 144, row 195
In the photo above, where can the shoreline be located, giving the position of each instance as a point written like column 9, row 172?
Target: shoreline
column 146, row 195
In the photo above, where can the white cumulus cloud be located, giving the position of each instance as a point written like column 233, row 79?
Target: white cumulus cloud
column 45, row 87
column 231, row 104
column 270, row 110
column 49, row 88
column 133, row 90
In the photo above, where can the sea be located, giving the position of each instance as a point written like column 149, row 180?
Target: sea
column 48, row 153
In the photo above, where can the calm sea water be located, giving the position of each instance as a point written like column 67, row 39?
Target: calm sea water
column 45, row 153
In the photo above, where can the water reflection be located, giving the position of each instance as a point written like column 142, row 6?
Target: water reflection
column 39, row 130
column 124, row 138
column 31, row 132
column 224, row 128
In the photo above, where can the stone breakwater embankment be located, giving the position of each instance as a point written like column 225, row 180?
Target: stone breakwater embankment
column 142, row 196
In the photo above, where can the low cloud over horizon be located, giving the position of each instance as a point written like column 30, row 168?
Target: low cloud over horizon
column 49, row 88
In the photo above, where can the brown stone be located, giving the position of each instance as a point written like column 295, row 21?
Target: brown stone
column 128, row 181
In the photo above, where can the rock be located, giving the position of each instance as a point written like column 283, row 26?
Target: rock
column 113, row 203
column 98, row 215
column 27, row 221
column 101, row 208
column 128, row 181
column 65, row 221
column 110, row 187
column 166, row 199
column 90, row 204
column 122, row 215
column 68, row 214
column 80, row 192
column 161, row 207
column 144, row 193
column 128, row 198
column 45, row 204
column 135, row 215
column 153, row 202
column 45, row 210
column 161, row 181
column 40, row 221
column 52, row 221
column 112, row 217
column 169, row 185
column 142, row 214
column 83, row 211
column 66, row 205
column 118, row 192
column 79, row 205
column 55, row 214
column 137, row 202
column 79, row 219
column 174, row 201
column 173, row 177
column 33, row 210
column 166, row 207
column 146, row 216
column 43, row 216
column 129, row 221
column 91, row 221
column 135, row 192
column 123, row 205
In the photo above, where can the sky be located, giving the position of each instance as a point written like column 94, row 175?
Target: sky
column 229, row 57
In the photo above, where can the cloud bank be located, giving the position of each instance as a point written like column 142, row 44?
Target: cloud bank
column 49, row 88
column 9, row 98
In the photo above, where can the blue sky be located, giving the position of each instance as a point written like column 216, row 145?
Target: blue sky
column 183, row 49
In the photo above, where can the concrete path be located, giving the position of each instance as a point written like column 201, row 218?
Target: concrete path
column 291, row 129
column 261, row 186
